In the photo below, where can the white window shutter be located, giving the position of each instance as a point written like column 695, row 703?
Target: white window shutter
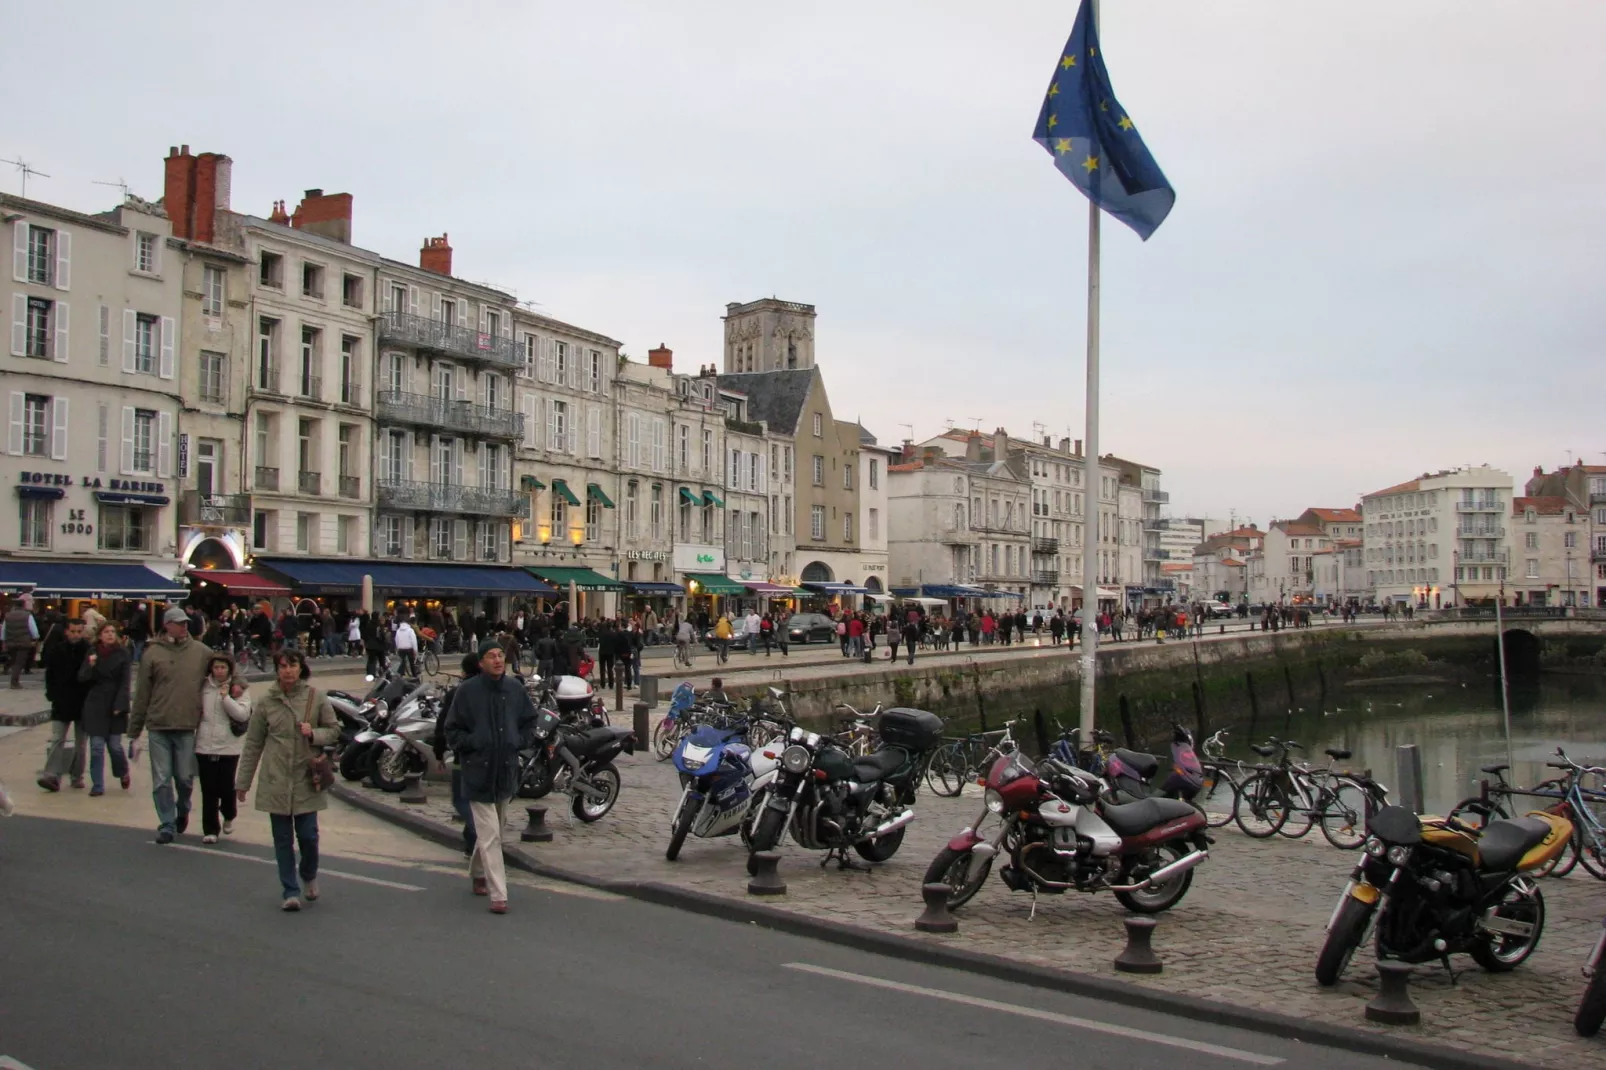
column 460, row 382
column 410, row 445
column 594, row 431
column 164, row 444
column 125, row 460
column 485, row 323
column 19, row 324
column 63, row 260
column 412, row 300
column 434, row 459
column 130, row 325
column 462, row 313
column 105, row 336
column 169, row 336
column 554, row 439
column 505, row 480
column 434, row 379
column 102, row 433
column 63, row 320
column 390, row 299
column 460, row 540
column 19, row 251
column 502, row 541
column 435, row 304
column 530, row 434
column 58, row 431
column 407, row 536
column 485, row 387
column 19, row 401
column 457, row 462
column 485, row 466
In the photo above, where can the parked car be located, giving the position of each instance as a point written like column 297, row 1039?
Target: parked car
column 811, row 628
column 1217, row 609
column 738, row 640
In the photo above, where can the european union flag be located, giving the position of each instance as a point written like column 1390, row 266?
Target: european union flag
column 1094, row 142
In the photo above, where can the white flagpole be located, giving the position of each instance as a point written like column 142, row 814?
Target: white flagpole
column 1095, row 486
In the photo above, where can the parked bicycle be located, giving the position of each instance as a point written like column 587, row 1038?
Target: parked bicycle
column 1579, row 796
column 964, row 760
column 1291, row 797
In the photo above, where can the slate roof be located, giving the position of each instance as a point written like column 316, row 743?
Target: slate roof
column 775, row 397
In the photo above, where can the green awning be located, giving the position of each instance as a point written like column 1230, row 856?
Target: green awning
column 687, row 496
column 561, row 489
column 595, row 493
column 531, row 483
column 713, row 583
column 710, row 498
column 585, row 579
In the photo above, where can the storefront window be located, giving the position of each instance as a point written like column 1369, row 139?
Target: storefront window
column 126, row 527
column 36, row 523
column 593, row 520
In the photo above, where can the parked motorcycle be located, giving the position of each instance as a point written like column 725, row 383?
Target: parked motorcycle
column 406, row 746
column 384, row 698
column 1435, row 887
column 576, row 760
column 1592, row 1007
column 721, row 777
column 832, row 801
column 1060, row 834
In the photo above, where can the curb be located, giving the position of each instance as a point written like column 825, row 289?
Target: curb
column 932, row 953
column 24, row 720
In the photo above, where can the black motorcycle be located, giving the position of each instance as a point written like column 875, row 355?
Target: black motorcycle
column 833, row 801
column 576, row 759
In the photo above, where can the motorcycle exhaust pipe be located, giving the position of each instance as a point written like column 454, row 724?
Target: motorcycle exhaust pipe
column 891, row 826
column 1164, row 873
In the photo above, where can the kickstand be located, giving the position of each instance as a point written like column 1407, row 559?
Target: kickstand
column 843, row 861
column 1033, row 914
column 1445, row 958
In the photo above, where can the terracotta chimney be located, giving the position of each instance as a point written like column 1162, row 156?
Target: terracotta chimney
column 1000, row 445
column 328, row 215
column 436, row 255
column 1078, row 447
column 662, row 357
column 178, row 189
column 214, row 174
column 908, row 450
column 278, row 215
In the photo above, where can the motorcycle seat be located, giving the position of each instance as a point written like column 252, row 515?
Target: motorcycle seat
column 1503, row 843
column 1495, row 770
column 1132, row 819
column 883, row 763
column 590, row 739
column 1144, row 765
column 1338, row 754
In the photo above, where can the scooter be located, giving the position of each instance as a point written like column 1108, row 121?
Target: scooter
column 721, row 777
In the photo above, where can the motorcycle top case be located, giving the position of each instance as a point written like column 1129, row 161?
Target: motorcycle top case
column 911, row 729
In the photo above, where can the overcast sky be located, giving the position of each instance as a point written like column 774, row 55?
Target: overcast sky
column 1387, row 254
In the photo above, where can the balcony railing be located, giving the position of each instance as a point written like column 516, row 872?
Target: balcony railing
column 430, row 411
column 1481, row 532
column 351, row 394
column 309, row 482
column 1045, row 577
column 1161, row 496
column 995, row 527
column 214, row 510
column 266, row 478
column 445, row 338
column 1045, row 546
column 310, row 386
column 1480, row 507
column 1597, row 497
column 450, row 498
column 265, row 382
column 1597, row 555
column 351, row 486
column 1483, row 557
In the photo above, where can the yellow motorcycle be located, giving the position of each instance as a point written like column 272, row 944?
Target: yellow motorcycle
column 1435, row 887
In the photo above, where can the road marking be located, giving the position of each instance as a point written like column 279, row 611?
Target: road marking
column 8, row 1063
column 1045, row 1016
column 214, row 853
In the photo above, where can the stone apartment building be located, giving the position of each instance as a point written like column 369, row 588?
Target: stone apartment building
column 1220, row 567
column 874, row 460
column 1439, row 539
column 1582, row 489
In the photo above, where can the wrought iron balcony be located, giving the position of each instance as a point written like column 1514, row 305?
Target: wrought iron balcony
column 1045, row 577
column 450, row 498
column 1480, row 507
column 309, row 482
column 214, row 510
column 1482, row 557
column 310, row 386
column 266, row 478
column 1597, row 556
column 351, row 394
column 351, row 486
column 265, row 380
column 1482, row 531
column 429, row 411
column 445, row 338
column 1045, row 546
column 1152, row 495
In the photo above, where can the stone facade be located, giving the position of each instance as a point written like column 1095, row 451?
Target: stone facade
column 1440, row 538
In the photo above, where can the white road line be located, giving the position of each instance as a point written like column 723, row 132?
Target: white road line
column 8, row 1063
column 212, row 853
column 1045, row 1016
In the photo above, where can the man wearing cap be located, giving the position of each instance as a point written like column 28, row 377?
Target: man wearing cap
column 167, row 700
column 491, row 720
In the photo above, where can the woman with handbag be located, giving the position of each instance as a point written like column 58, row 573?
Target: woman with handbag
column 225, row 713
column 106, row 670
column 289, row 728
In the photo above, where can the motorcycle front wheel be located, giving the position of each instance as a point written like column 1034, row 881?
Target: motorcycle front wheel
column 606, row 779
column 689, row 808
column 1165, row 895
column 962, row 871
column 766, row 835
column 1345, row 935
column 1500, row 952
column 389, row 768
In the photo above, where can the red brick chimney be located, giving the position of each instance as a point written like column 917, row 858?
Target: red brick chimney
column 436, row 255
column 328, row 215
column 278, row 215
column 196, row 188
column 662, row 357
column 178, row 189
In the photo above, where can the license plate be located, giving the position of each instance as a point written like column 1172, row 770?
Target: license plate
column 1365, row 893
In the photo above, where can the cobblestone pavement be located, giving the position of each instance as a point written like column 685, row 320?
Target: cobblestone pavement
column 1246, row 934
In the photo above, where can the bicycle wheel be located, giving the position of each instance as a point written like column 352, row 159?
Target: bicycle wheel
column 1343, row 816
column 1218, row 797
column 945, row 773
column 1589, row 847
column 432, row 662
column 1262, row 806
column 1567, row 860
column 1301, row 818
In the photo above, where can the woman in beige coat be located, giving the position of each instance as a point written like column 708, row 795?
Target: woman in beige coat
column 290, row 721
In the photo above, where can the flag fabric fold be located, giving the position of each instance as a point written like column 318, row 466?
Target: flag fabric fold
column 1094, row 142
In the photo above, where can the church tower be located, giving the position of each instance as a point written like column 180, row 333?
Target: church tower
column 768, row 335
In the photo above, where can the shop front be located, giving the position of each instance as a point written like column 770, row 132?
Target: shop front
column 832, row 598
column 116, row 591
column 439, row 595
column 214, row 589
column 773, row 597
column 700, row 568
column 585, row 590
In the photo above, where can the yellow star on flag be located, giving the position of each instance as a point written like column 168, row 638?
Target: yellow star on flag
column 1091, row 163
column 1092, row 51
column 1054, row 90
column 1063, row 145
column 1104, row 105
column 1068, row 62
column 1053, row 121
column 1125, row 123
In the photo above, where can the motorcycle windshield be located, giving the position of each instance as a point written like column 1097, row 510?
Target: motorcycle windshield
column 1009, row 769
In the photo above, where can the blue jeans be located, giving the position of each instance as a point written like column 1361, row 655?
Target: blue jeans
column 172, row 759
column 98, row 746
column 287, row 829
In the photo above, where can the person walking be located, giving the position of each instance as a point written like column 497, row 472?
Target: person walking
column 292, row 719
column 766, row 633
column 607, row 653
column 21, row 632
column 722, row 638
column 106, row 673
column 471, row 667
column 225, row 716
column 894, row 634
column 911, row 638
column 65, row 691
column 406, row 647
column 685, row 636
column 354, row 635
column 167, row 698
column 491, row 720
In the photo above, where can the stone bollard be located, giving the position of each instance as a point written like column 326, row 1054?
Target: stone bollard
column 619, row 692
column 1223, row 630
column 413, row 789
column 536, row 831
column 1392, row 1005
column 766, row 878
column 639, row 724
column 1138, row 956
column 936, row 918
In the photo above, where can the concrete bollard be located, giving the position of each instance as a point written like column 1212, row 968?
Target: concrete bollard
column 619, row 692
column 766, row 877
column 936, row 918
column 1138, row 956
column 536, row 831
column 1392, row 1005
column 639, row 724
column 413, row 789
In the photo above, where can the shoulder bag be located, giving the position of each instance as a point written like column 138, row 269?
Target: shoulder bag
column 320, row 770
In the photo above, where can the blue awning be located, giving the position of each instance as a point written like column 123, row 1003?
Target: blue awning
column 650, row 587
column 406, row 579
column 118, row 497
column 837, row 588
column 948, row 590
column 28, row 490
column 78, row 579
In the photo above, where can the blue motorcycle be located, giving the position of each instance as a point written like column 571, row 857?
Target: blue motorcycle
column 721, row 777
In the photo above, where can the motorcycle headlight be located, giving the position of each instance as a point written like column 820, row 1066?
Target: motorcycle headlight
column 695, row 757
column 993, row 801
column 1399, row 855
column 1375, row 848
column 796, row 759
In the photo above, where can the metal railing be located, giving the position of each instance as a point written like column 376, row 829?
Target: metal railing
column 1483, row 557
column 310, row 386
column 1045, row 577
column 265, row 384
column 445, row 338
column 309, row 482
column 266, row 478
column 449, row 498
column 1480, row 507
column 351, row 486
column 215, row 510
column 1045, row 546
column 1597, row 497
column 351, row 394
column 1487, row 531
column 466, row 416
column 1152, row 495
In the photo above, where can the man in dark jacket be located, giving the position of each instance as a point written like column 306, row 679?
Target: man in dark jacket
column 490, row 721
column 66, row 696
column 471, row 668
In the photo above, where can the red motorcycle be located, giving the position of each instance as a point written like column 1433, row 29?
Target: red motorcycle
column 1059, row 835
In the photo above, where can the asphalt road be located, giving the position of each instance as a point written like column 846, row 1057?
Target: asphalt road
column 121, row 954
